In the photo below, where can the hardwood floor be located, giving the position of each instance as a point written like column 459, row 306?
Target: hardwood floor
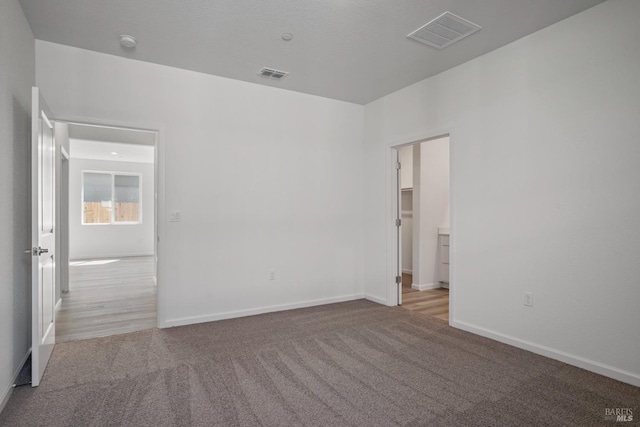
column 407, row 279
column 107, row 297
column 433, row 302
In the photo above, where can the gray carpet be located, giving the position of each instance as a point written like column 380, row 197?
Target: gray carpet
column 349, row 364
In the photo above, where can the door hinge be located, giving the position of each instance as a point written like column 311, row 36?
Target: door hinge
column 398, row 222
column 398, row 165
column 398, row 280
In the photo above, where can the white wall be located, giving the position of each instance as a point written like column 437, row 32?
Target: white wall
column 109, row 240
column 407, row 231
column 265, row 179
column 405, row 155
column 544, row 193
column 431, row 209
column 17, row 76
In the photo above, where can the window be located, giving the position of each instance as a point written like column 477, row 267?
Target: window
column 111, row 198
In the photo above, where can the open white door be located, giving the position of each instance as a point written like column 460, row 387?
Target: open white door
column 42, row 237
column 399, row 227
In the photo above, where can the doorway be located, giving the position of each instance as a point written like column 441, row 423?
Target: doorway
column 405, row 155
column 423, row 230
column 110, row 286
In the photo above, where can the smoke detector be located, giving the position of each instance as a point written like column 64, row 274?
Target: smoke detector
column 128, row 41
column 444, row 30
column 272, row 73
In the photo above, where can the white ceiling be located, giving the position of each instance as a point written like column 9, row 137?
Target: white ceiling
column 99, row 143
column 352, row 50
column 99, row 150
column 111, row 134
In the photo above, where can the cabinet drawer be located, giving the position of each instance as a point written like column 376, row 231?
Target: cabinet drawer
column 444, row 240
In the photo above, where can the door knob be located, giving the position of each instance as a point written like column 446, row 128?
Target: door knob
column 39, row 251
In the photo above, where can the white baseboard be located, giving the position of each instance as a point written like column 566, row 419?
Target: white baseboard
column 426, row 286
column 270, row 309
column 376, row 299
column 407, row 271
column 58, row 305
column 6, row 393
column 571, row 359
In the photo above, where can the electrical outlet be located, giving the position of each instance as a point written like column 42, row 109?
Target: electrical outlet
column 174, row 216
column 272, row 275
column 528, row 299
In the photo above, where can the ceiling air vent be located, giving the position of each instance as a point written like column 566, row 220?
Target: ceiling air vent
column 272, row 73
column 444, row 30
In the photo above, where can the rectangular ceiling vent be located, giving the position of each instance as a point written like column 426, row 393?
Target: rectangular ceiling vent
column 272, row 73
column 446, row 29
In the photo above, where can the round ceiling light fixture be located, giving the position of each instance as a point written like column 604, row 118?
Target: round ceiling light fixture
column 128, row 41
column 287, row 37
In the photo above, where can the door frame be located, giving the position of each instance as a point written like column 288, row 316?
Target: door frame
column 159, row 177
column 394, row 234
column 62, row 221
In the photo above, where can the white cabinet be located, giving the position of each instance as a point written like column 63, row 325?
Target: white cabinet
column 443, row 248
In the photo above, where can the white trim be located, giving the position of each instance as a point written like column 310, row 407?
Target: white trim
column 426, row 286
column 159, row 185
column 65, row 154
column 6, row 394
column 571, row 359
column 251, row 312
column 58, row 305
column 392, row 243
column 46, row 120
column 376, row 299
column 392, row 267
column 407, row 271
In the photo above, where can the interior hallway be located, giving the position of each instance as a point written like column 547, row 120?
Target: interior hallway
column 107, row 297
column 432, row 302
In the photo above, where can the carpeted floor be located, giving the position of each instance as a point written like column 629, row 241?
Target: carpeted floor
column 348, row 364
